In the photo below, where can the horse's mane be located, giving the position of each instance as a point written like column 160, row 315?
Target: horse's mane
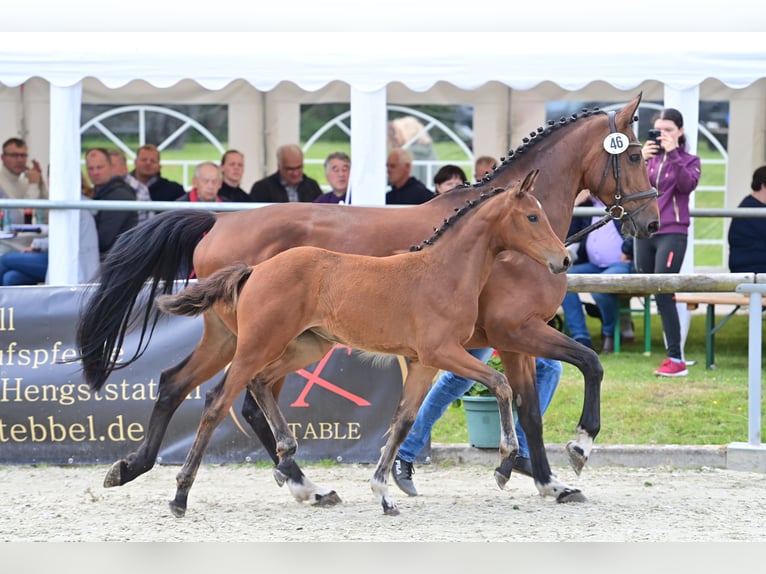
column 534, row 138
column 460, row 212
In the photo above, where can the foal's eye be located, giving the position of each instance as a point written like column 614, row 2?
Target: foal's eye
column 532, row 218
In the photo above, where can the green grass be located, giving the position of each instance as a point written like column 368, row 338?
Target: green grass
column 709, row 406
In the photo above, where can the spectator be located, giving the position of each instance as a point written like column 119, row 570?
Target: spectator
column 206, row 183
column 30, row 267
column 232, row 168
column 147, row 171
column 484, row 164
column 747, row 236
column 448, row 178
column 450, row 387
column 18, row 180
column 337, row 169
column 108, row 185
column 675, row 173
column 289, row 183
column 120, row 167
column 405, row 189
column 408, row 133
column 603, row 250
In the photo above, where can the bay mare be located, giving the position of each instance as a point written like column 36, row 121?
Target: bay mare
column 421, row 305
column 518, row 300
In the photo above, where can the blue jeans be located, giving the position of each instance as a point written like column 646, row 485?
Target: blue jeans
column 450, row 387
column 608, row 303
column 23, row 268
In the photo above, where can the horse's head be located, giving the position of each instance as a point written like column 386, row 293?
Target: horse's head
column 617, row 174
column 524, row 226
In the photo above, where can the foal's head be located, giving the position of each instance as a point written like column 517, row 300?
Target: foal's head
column 519, row 223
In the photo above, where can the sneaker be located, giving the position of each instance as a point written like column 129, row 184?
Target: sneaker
column 402, row 472
column 670, row 368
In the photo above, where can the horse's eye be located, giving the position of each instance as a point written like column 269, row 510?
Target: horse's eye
column 532, row 218
column 635, row 157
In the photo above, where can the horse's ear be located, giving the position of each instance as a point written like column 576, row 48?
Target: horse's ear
column 628, row 112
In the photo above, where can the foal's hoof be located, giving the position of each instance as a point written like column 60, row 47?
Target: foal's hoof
column 114, row 475
column 326, row 500
column 500, row 479
column 279, row 476
column 390, row 509
column 178, row 511
column 571, row 495
column 577, row 458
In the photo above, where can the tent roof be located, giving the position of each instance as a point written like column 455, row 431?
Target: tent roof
column 369, row 60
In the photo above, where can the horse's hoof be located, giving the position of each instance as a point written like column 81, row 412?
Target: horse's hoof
column 500, row 479
column 390, row 509
column 577, row 458
column 280, row 477
column 114, row 475
column 178, row 511
column 329, row 499
column 571, row 495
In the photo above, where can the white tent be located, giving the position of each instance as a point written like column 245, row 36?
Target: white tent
column 369, row 63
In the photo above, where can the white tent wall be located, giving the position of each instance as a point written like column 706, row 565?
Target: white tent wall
column 253, row 72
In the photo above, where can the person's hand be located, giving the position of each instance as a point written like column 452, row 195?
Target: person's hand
column 668, row 142
column 650, row 150
column 34, row 173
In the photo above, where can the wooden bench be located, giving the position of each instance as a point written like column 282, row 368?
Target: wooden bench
column 694, row 300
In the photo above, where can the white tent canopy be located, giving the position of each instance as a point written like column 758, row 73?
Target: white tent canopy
column 368, row 62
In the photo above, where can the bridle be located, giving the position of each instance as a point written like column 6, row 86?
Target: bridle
column 616, row 210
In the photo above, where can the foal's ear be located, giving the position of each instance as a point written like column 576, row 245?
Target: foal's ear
column 529, row 181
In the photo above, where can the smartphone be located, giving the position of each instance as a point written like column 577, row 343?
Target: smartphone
column 654, row 135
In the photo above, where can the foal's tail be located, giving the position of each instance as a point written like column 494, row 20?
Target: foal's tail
column 223, row 286
column 160, row 249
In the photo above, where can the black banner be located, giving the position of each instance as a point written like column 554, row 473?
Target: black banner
column 339, row 408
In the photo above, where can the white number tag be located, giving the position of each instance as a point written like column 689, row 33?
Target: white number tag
column 616, row 143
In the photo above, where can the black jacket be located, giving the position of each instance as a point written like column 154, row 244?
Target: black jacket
column 165, row 190
column 270, row 190
column 229, row 193
column 110, row 224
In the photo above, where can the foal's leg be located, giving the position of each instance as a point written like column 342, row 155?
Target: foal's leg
column 217, row 405
column 416, row 386
column 306, row 349
column 211, row 355
column 453, row 357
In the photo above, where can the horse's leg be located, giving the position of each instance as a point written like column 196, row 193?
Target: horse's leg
column 306, row 349
column 550, row 343
column 521, row 372
column 210, row 356
column 452, row 357
column 416, row 386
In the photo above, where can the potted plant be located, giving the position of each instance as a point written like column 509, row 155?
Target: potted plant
column 481, row 412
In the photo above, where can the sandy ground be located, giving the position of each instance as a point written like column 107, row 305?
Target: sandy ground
column 237, row 503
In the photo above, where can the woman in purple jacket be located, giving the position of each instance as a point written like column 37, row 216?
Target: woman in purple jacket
column 675, row 174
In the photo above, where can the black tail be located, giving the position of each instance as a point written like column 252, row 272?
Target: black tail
column 160, row 249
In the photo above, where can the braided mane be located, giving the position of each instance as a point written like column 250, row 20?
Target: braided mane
column 527, row 142
column 538, row 135
column 460, row 212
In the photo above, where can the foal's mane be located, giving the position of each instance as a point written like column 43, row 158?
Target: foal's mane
column 460, row 212
column 527, row 142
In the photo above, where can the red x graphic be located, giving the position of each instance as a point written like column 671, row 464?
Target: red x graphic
column 315, row 379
